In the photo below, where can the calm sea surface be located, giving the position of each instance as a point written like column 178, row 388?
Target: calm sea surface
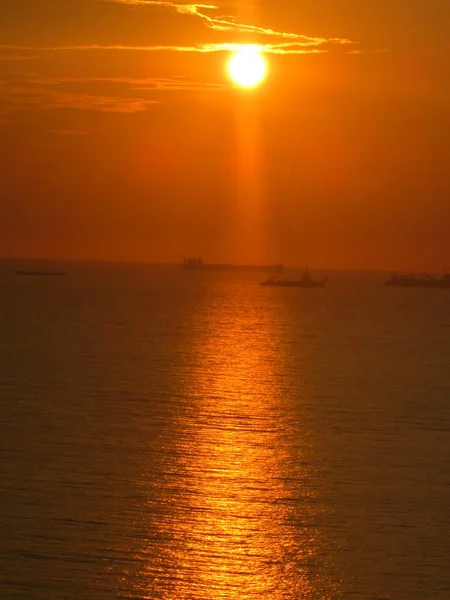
column 177, row 436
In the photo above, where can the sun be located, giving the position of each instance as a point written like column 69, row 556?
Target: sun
column 247, row 67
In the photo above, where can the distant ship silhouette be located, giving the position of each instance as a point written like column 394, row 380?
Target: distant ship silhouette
column 197, row 264
column 42, row 273
column 305, row 282
column 427, row 281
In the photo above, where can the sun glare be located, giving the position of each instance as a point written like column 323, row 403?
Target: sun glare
column 247, row 67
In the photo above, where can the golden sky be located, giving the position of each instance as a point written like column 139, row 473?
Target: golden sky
column 123, row 138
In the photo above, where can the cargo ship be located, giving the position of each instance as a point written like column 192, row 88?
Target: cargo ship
column 427, row 281
column 305, row 282
column 42, row 273
column 197, row 264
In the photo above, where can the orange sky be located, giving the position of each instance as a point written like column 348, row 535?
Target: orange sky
column 123, row 139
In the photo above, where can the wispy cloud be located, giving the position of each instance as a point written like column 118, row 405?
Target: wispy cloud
column 294, row 47
column 149, row 83
column 123, row 94
column 76, row 132
column 131, row 83
column 229, row 23
column 17, row 57
column 379, row 51
column 25, row 96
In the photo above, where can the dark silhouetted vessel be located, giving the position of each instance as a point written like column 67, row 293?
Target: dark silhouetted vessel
column 197, row 264
column 305, row 282
column 426, row 281
column 43, row 273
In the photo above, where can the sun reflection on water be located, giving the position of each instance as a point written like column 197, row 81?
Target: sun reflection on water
column 237, row 511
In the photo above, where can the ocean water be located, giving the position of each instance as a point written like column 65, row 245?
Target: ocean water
column 178, row 436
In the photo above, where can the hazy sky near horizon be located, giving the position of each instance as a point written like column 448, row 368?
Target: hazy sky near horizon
column 122, row 137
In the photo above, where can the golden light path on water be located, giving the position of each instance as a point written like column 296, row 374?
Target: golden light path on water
column 237, row 513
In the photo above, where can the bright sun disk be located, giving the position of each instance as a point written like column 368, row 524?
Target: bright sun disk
column 247, row 67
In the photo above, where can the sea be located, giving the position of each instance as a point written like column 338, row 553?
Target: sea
column 171, row 435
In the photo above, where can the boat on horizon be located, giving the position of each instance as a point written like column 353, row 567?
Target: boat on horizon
column 305, row 282
column 42, row 273
column 197, row 264
column 424, row 280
